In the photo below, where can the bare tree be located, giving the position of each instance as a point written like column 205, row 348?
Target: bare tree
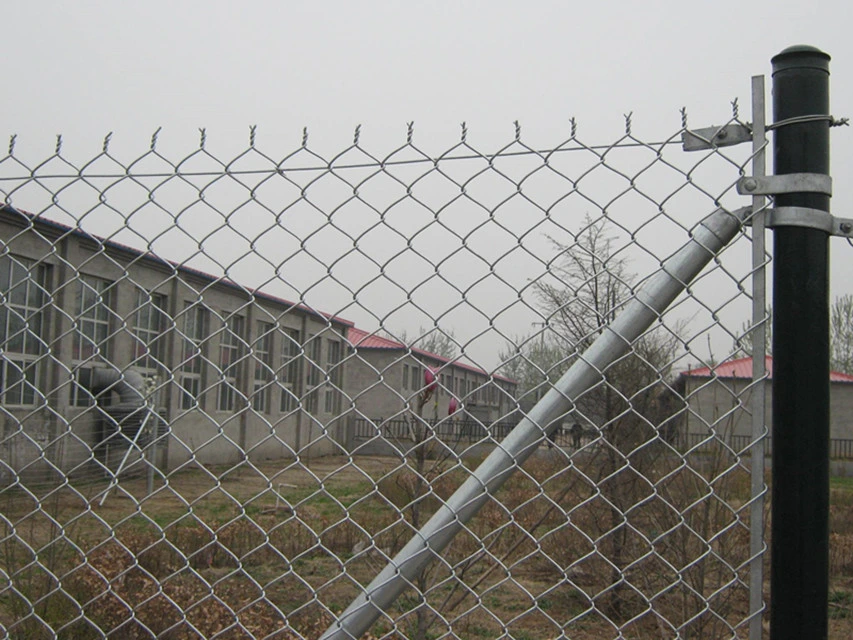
column 589, row 282
column 535, row 362
column 441, row 342
column 428, row 458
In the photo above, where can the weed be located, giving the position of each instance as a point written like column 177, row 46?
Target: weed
column 840, row 604
column 538, row 551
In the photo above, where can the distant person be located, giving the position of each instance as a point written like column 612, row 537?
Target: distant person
column 576, row 432
column 552, row 438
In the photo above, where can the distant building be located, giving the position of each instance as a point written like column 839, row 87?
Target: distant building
column 385, row 378
column 720, row 404
column 89, row 327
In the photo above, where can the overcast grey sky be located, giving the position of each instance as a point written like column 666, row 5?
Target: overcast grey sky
column 84, row 69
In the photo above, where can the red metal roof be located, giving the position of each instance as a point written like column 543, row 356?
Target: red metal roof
column 363, row 340
column 742, row 368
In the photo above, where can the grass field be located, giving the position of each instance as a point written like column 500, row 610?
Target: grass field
column 274, row 551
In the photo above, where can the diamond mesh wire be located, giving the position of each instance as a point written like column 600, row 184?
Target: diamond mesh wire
column 236, row 384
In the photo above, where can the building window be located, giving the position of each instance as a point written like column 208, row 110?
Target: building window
column 93, row 308
column 291, row 368
column 194, row 329
column 94, row 300
column 149, row 328
column 405, row 377
column 334, row 371
column 230, row 351
column 263, row 368
column 22, row 287
column 416, row 380
column 314, row 348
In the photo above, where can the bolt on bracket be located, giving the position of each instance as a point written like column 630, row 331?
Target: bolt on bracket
column 714, row 137
column 785, row 183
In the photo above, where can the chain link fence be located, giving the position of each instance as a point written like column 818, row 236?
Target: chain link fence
column 235, row 386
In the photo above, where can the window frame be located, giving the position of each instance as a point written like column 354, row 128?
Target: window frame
column 334, row 376
column 231, row 346
column 20, row 368
column 93, row 304
column 316, row 376
column 150, row 337
column 290, row 371
column 194, row 342
column 262, row 350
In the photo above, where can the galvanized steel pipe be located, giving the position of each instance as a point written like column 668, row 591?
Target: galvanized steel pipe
column 708, row 238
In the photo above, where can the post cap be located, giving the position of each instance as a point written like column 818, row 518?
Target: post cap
column 801, row 56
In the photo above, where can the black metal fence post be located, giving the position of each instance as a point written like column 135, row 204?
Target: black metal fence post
column 800, row 499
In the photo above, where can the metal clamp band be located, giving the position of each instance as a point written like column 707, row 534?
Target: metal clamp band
column 785, row 183
column 800, row 217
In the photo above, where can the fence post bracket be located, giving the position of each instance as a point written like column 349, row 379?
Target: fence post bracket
column 715, row 137
column 806, row 218
column 787, row 183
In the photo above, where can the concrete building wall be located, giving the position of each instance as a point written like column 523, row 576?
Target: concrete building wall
column 54, row 432
column 723, row 406
column 402, row 379
column 374, row 382
column 841, row 410
column 719, row 406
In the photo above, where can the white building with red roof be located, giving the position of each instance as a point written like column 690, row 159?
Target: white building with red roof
column 719, row 405
column 384, row 378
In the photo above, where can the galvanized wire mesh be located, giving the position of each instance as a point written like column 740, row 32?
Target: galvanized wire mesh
column 234, row 386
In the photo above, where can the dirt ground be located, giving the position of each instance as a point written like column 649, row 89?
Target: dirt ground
column 276, row 550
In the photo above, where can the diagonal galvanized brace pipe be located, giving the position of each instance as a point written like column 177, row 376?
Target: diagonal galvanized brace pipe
column 708, row 238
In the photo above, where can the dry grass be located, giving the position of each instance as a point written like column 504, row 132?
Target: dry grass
column 272, row 552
